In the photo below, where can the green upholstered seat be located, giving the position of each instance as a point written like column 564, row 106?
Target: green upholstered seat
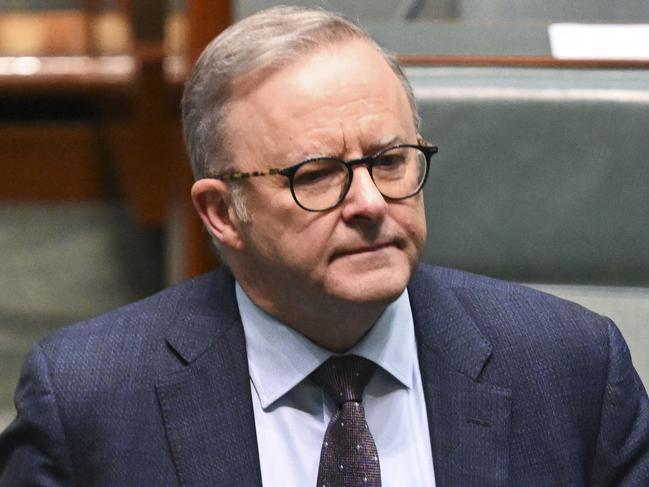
column 542, row 174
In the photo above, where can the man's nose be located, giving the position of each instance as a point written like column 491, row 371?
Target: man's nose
column 364, row 199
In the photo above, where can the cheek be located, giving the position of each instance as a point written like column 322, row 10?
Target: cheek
column 313, row 237
column 412, row 219
column 302, row 239
column 421, row 222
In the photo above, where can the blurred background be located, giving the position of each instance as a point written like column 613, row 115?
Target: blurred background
column 541, row 177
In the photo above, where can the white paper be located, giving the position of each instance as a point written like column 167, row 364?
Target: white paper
column 600, row 41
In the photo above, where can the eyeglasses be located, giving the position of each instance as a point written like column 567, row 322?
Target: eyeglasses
column 321, row 183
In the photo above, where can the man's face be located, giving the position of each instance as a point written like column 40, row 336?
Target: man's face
column 344, row 101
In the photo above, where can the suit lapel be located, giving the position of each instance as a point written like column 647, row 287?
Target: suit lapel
column 206, row 405
column 468, row 421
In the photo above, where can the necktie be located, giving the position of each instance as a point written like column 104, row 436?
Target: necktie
column 349, row 456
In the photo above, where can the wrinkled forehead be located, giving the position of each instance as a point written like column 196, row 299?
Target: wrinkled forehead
column 329, row 97
column 259, row 71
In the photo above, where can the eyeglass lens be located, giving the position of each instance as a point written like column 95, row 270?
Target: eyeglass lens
column 322, row 183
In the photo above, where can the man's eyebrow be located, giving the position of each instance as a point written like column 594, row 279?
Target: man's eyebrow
column 371, row 148
column 384, row 143
column 311, row 155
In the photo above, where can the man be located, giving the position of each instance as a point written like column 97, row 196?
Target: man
column 303, row 138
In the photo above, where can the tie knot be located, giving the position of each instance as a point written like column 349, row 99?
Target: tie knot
column 344, row 377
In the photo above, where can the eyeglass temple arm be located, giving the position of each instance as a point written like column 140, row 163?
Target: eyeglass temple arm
column 232, row 176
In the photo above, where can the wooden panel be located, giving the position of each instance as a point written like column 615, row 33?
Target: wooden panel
column 204, row 20
column 519, row 61
column 207, row 18
column 57, row 96
column 176, row 40
column 73, row 75
column 72, row 51
column 148, row 150
column 51, row 161
column 110, row 34
column 68, row 32
column 43, row 33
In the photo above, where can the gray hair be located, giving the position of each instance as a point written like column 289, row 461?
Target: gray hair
column 267, row 40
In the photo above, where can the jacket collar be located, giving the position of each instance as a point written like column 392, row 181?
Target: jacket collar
column 206, row 310
column 206, row 404
column 443, row 325
column 468, row 421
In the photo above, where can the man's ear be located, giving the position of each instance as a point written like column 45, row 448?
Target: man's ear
column 213, row 203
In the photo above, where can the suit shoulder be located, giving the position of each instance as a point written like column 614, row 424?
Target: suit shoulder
column 479, row 287
column 458, row 279
column 501, row 307
column 125, row 350
column 536, row 340
column 135, row 333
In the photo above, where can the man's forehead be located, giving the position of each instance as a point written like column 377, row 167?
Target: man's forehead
column 340, row 99
column 317, row 77
column 308, row 61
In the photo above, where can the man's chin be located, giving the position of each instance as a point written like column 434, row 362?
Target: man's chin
column 379, row 286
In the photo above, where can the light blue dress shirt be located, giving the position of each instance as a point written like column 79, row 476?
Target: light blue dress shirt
column 292, row 413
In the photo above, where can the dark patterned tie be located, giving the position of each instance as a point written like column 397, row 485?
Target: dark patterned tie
column 349, row 457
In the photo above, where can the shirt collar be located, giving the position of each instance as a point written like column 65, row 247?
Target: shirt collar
column 279, row 357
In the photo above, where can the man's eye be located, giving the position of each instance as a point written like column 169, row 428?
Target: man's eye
column 309, row 177
column 319, row 173
column 388, row 161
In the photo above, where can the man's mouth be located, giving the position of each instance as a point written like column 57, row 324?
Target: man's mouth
column 363, row 249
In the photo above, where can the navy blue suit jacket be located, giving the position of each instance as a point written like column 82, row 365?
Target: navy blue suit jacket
column 522, row 389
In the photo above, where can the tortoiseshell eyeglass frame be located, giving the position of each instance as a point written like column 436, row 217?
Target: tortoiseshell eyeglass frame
column 289, row 172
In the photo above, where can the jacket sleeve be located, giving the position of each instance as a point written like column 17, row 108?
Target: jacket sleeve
column 33, row 448
column 622, row 457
